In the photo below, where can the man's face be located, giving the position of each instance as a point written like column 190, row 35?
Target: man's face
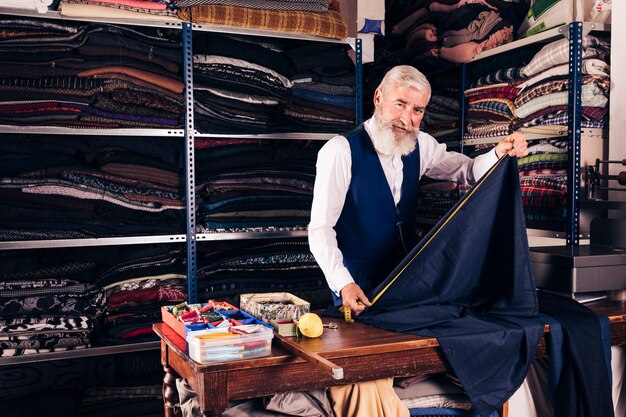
column 401, row 109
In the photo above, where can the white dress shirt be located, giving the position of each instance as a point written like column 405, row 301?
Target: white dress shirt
column 334, row 173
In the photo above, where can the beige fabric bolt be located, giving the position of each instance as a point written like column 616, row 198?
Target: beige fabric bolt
column 367, row 399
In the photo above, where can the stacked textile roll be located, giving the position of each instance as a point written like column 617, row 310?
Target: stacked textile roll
column 46, row 304
column 136, row 286
column 322, row 97
column 441, row 119
column 531, row 95
column 56, row 187
column 88, row 76
column 271, row 266
column 312, row 17
column 247, row 186
column 244, row 87
column 543, row 182
column 533, row 98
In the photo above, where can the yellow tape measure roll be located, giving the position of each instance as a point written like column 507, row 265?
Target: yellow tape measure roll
column 310, row 325
column 347, row 314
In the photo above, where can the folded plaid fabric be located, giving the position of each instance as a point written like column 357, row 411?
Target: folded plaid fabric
column 327, row 24
column 303, row 5
column 552, row 202
column 538, row 191
column 557, row 182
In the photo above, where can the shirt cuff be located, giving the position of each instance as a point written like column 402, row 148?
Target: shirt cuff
column 340, row 279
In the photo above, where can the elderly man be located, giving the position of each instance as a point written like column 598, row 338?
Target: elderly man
column 365, row 194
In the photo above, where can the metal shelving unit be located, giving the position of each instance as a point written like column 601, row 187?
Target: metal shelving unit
column 80, row 353
column 102, row 241
column 105, row 241
column 217, row 236
column 187, row 134
column 563, row 132
column 52, row 130
column 543, row 37
column 269, row 136
column 574, row 32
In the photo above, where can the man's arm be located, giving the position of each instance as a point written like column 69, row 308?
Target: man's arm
column 438, row 163
column 332, row 180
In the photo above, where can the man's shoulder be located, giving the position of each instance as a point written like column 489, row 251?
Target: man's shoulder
column 337, row 144
column 425, row 137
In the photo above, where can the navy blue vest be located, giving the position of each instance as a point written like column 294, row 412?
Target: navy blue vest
column 372, row 235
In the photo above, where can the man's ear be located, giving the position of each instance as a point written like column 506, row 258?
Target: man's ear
column 378, row 95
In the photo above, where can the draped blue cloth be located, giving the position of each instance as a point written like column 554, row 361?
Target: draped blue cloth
column 469, row 284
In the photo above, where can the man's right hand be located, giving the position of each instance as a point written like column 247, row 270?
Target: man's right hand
column 351, row 294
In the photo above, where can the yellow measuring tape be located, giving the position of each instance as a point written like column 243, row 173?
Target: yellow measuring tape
column 347, row 314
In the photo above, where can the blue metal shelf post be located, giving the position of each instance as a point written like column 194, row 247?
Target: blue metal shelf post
column 574, row 132
column 192, row 281
column 358, row 49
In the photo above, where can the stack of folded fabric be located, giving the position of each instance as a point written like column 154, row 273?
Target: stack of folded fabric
column 272, row 266
column 490, row 110
column 312, row 17
column 543, row 181
column 437, row 197
column 239, row 86
column 245, row 186
column 533, row 98
column 119, row 9
column 543, row 97
column 136, row 286
column 88, row 76
column 441, row 119
column 322, row 97
column 244, row 87
column 70, row 187
column 46, row 304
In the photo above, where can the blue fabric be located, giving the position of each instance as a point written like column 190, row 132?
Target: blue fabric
column 583, row 388
column 469, row 284
column 348, row 102
column 370, row 228
column 605, row 334
column 372, row 26
column 443, row 412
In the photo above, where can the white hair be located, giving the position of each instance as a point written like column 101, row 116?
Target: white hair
column 407, row 76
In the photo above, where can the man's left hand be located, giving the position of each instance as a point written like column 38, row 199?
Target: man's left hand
column 515, row 144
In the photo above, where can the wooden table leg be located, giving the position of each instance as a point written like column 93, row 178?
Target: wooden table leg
column 170, row 393
column 213, row 393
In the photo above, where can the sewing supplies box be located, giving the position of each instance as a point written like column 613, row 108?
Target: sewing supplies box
column 274, row 306
column 230, row 344
column 184, row 317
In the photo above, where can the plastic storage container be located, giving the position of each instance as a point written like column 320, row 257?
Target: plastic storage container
column 230, row 344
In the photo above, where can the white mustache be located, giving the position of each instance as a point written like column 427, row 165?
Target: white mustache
column 403, row 127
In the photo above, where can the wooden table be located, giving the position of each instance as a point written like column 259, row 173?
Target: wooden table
column 364, row 352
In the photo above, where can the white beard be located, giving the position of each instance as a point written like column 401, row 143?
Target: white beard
column 387, row 142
